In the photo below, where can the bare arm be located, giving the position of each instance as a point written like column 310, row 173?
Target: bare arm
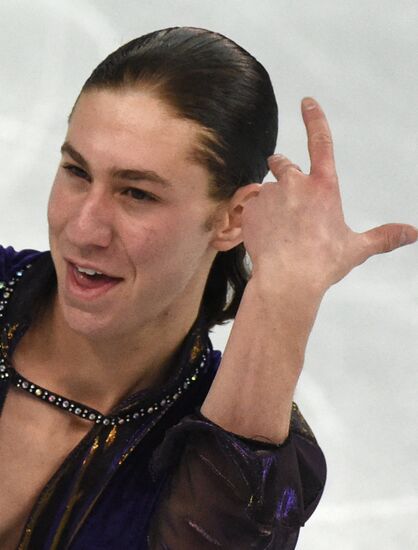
column 300, row 245
column 253, row 390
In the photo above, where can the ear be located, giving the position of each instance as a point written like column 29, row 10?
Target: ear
column 228, row 232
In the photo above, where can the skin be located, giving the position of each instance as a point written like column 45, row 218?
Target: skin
column 163, row 249
column 92, row 218
column 312, row 249
column 98, row 352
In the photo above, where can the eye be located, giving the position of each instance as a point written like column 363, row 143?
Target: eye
column 140, row 195
column 76, row 171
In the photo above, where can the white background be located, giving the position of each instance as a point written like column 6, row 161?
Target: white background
column 358, row 387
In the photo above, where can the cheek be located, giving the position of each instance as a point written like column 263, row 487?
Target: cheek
column 149, row 244
column 168, row 245
column 55, row 211
column 62, row 207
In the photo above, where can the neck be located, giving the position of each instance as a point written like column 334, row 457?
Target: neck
column 99, row 373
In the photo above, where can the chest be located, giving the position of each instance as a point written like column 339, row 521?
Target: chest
column 34, row 441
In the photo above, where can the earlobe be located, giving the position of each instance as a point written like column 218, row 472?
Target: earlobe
column 229, row 231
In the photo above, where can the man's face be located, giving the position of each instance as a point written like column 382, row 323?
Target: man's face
column 107, row 211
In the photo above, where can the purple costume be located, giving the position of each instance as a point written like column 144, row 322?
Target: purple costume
column 171, row 479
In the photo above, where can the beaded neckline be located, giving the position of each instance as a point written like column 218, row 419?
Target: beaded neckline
column 8, row 373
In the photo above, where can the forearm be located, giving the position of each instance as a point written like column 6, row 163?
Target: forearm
column 253, row 390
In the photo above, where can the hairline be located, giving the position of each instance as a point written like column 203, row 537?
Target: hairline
column 206, row 136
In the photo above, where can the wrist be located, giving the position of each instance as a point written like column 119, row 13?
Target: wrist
column 271, row 285
column 280, row 309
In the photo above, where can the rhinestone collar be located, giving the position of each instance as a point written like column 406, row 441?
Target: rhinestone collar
column 8, row 373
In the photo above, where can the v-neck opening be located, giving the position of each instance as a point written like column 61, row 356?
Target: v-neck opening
column 183, row 357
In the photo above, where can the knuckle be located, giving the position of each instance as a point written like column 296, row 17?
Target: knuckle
column 289, row 169
column 321, row 138
column 389, row 241
column 278, row 160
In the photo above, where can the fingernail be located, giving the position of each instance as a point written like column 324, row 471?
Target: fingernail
column 407, row 237
column 308, row 103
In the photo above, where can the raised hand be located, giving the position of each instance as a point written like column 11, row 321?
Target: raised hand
column 294, row 228
column 299, row 244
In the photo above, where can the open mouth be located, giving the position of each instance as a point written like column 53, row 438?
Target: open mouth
column 89, row 284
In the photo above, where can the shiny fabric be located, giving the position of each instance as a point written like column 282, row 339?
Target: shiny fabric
column 173, row 480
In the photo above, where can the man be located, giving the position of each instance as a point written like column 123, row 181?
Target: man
column 121, row 341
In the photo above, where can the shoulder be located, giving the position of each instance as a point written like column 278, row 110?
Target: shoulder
column 12, row 260
column 23, row 291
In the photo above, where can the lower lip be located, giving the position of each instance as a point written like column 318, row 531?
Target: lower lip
column 87, row 289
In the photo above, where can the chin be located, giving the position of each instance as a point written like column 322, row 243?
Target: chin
column 91, row 325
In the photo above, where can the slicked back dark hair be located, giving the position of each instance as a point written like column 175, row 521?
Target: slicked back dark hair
column 207, row 78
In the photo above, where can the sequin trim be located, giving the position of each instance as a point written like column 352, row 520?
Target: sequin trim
column 9, row 373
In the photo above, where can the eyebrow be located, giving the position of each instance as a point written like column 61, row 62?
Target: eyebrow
column 131, row 174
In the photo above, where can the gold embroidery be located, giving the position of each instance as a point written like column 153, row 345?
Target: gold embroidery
column 111, row 437
column 11, row 330
column 125, row 455
column 196, row 349
column 93, row 449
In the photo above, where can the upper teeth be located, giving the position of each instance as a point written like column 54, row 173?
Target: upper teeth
column 88, row 271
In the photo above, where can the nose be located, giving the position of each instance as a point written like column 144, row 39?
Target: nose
column 92, row 224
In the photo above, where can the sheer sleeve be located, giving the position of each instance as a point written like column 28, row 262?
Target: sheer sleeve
column 227, row 491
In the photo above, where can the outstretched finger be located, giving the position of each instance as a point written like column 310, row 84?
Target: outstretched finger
column 386, row 238
column 321, row 151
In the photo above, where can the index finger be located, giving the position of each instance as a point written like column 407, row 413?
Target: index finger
column 321, row 151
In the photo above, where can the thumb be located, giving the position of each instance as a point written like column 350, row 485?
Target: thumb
column 388, row 237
